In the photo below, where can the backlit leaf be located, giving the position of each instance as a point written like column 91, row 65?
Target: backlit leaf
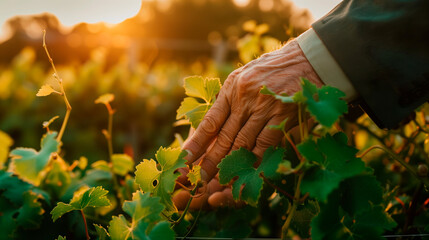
column 159, row 177
column 240, row 164
column 335, row 161
column 194, row 175
column 205, row 90
column 144, row 211
column 92, row 197
column 29, row 164
column 46, row 90
column 122, row 164
column 105, row 98
column 101, row 232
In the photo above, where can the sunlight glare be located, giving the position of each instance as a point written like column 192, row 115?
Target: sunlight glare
column 241, row 3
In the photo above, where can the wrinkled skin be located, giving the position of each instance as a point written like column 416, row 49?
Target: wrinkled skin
column 240, row 115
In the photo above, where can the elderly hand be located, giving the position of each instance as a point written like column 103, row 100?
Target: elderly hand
column 240, row 115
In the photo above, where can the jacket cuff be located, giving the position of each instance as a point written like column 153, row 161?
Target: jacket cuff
column 324, row 64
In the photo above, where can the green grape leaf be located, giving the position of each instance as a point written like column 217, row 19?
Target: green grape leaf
column 101, row 232
column 29, row 164
column 122, row 164
column 359, row 193
column 327, row 224
column 324, row 103
column 143, row 207
column 7, row 220
column 335, row 161
column 61, row 238
column 13, row 188
column 194, row 175
column 92, row 197
column 197, row 87
column 240, row 163
column 31, row 213
column 161, row 230
column 144, row 211
column 160, row 178
column 372, row 223
column 5, row 143
column 282, row 97
column 119, row 228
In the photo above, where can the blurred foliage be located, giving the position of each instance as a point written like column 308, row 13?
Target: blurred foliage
column 146, row 103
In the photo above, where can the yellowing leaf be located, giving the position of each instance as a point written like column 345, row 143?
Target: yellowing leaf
column 5, row 143
column 29, row 164
column 105, row 98
column 194, row 175
column 122, row 164
column 202, row 94
column 159, row 179
column 46, row 90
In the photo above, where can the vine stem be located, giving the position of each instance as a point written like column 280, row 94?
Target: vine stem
column 395, row 157
column 108, row 136
column 186, row 208
column 63, row 93
column 86, row 226
column 277, row 188
column 296, row 201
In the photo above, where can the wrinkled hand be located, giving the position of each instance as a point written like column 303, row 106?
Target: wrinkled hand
column 240, row 115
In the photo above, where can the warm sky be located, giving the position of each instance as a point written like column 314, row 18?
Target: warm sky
column 70, row 12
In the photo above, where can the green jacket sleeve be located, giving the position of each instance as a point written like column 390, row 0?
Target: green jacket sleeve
column 383, row 48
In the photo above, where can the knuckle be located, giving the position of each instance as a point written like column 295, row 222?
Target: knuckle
column 224, row 140
column 209, row 125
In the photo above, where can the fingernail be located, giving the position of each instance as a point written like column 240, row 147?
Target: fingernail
column 204, row 175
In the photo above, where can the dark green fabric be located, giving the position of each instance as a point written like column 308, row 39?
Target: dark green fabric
column 383, row 48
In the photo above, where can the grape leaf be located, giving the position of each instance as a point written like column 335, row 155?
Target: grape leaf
column 5, row 143
column 101, row 232
column 13, row 188
column 92, row 197
column 194, row 175
column 58, row 177
column 240, row 163
column 29, row 164
column 372, row 223
column 161, row 230
column 46, row 90
column 144, row 211
column 31, row 213
column 143, row 207
column 7, row 221
column 122, row 164
column 105, row 98
column 160, row 180
column 61, row 238
column 335, row 161
column 324, row 103
column 359, row 193
column 197, row 87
